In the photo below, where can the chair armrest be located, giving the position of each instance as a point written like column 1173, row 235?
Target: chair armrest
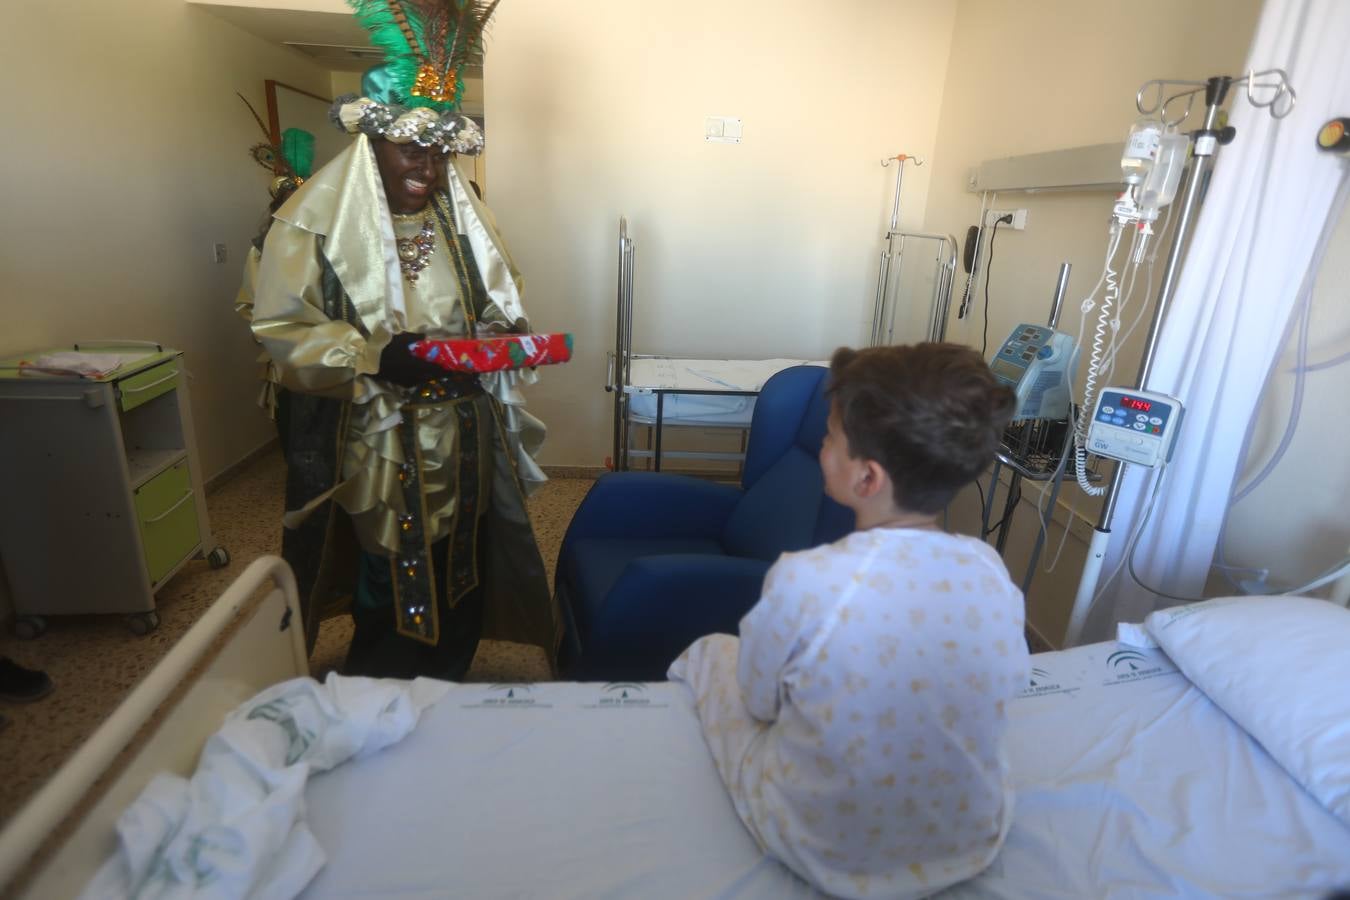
column 653, row 505
column 662, row 604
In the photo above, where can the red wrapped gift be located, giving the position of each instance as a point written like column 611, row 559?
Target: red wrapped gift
column 496, row 352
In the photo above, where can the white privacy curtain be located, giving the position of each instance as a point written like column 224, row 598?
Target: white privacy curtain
column 1269, row 202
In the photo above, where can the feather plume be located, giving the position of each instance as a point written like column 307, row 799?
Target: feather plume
column 264, row 155
column 445, row 35
column 391, row 32
column 471, row 24
column 257, row 118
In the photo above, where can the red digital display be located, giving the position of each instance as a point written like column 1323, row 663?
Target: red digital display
column 1134, row 403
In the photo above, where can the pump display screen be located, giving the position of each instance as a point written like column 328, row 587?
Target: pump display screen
column 1136, row 404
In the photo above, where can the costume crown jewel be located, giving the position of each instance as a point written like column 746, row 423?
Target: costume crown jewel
column 413, row 97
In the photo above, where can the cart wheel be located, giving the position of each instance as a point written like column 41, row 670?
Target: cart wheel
column 218, row 558
column 143, row 623
column 26, row 628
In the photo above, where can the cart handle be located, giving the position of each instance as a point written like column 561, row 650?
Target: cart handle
column 164, row 515
column 145, row 387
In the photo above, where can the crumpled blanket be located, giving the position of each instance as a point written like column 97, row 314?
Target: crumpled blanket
column 237, row 827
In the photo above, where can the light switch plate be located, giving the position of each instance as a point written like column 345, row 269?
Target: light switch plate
column 722, row 130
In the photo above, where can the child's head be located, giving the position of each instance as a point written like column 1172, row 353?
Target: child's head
column 930, row 415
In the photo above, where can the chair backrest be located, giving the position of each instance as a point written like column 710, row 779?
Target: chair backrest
column 784, row 506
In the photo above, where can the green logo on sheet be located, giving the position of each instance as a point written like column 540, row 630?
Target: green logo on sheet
column 1131, row 665
column 1042, row 682
column 279, row 713
column 511, row 695
column 624, row 695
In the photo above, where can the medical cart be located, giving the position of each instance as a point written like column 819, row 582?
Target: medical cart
column 102, row 486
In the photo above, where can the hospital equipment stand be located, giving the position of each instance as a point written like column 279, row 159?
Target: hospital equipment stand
column 1204, row 147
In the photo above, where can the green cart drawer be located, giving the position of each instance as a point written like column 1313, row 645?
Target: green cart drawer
column 146, row 386
column 167, row 512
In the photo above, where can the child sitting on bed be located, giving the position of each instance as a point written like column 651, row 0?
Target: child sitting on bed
column 858, row 721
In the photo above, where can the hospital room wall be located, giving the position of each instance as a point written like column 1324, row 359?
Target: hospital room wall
column 596, row 109
column 1048, row 75
column 125, row 161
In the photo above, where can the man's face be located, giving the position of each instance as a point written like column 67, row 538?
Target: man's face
column 409, row 173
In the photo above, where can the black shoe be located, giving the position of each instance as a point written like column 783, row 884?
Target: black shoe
column 22, row 685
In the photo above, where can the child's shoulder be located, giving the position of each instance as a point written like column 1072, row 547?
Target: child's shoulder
column 907, row 542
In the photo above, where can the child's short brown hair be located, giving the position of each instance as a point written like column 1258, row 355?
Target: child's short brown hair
column 931, row 415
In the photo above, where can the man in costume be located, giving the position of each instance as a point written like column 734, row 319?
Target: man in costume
column 428, row 469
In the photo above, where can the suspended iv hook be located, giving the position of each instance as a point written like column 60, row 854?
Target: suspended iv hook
column 1265, row 90
column 901, row 158
column 1281, row 87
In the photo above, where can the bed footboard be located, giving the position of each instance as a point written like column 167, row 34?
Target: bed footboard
column 250, row 638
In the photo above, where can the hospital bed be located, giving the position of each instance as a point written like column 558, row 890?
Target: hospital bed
column 1129, row 782
column 658, row 392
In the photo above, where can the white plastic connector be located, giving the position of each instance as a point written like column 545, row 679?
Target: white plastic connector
column 1019, row 218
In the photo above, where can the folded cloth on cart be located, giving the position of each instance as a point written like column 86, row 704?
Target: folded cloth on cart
column 237, row 827
column 73, row 362
column 496, row 353
column 733, row 381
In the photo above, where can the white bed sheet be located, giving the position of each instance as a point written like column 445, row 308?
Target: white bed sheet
column 667, row 373
column 548, row 790
column 1130, row 784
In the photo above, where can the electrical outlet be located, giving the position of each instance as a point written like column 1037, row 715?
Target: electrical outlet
column 218, row 252
column 1019, row 222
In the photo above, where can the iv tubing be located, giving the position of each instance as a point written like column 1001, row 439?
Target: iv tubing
column 1094, row 366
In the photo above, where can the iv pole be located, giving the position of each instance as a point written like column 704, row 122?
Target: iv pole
column 884, row 272
column 1204, row 147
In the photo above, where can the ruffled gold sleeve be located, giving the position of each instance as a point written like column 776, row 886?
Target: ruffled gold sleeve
column 243, row 301
column 313, row 353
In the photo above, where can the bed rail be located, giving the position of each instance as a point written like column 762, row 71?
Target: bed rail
column 235, row 646
column 621, row 362
column 888, row 296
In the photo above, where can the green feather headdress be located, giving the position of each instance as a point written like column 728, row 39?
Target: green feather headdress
column 413, row 95
column 427, row 44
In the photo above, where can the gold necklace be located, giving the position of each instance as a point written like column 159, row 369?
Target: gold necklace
column 414, row 253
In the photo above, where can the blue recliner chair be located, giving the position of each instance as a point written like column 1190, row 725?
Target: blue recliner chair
column 653, row 561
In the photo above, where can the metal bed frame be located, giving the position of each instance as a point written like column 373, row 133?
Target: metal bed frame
column 891, row 267
column 619, row 383
column 620, row 361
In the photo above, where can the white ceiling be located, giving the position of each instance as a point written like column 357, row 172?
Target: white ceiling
column 324, row 30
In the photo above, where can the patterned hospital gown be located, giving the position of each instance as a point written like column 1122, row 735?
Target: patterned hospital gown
column 858, row 721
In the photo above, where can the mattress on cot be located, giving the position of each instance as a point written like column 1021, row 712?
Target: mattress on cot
column 1129, row 783
column 658, row 373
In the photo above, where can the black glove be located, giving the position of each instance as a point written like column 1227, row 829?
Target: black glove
column 397, row 364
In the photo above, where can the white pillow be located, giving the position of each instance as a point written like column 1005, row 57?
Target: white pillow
column 1280, row 668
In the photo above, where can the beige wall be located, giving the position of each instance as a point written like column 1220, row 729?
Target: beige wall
column 125, row 160
column 596, row 109
column 344, row 83
column 1045, row 75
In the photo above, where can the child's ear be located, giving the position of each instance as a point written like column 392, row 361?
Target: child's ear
column 872, row 480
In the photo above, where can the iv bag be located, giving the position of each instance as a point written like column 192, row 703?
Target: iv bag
column 1160, row 183
column 1141, row 149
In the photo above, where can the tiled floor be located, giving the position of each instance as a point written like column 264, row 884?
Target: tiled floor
column 95, row 661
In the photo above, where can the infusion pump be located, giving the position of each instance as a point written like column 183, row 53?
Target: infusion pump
column 1137, row 427
column 1038, row 364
